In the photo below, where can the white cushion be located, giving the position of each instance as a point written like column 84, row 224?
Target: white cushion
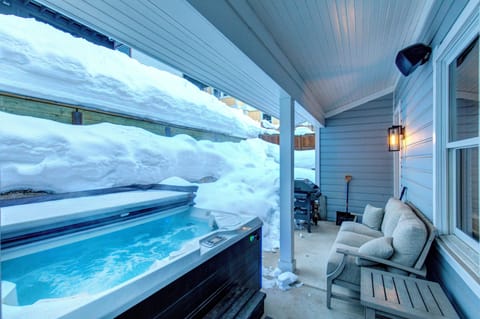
column 378, row 247
column 409, row 237
column 352, row 238
column 372, row 217
column 393, row 210
column 360, row 229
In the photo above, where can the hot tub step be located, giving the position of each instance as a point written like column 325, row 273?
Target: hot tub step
column 239, row 303
column 254, row 308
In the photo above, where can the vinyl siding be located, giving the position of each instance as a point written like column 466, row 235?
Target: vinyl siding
column 355, row 143
column 415, row 96
column 416, row 102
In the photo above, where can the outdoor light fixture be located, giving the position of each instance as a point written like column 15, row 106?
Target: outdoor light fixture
column 395, row 134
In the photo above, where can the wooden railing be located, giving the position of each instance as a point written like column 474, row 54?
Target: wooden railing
column 62, row 112
column 302, row 142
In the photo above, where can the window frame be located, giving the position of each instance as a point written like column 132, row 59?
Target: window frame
column 463, row 32
column 397, row 156
column 453, row 178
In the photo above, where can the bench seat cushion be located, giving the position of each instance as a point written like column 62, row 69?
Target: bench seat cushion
column 360, row 229
column 351, row 272
column 352, row 239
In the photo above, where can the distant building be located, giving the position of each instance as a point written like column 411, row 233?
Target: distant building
column 253, row 113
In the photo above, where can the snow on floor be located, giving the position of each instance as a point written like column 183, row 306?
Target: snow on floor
column 45, row 155
column 40, row 61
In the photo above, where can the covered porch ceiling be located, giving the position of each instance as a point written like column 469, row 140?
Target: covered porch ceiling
column 328, row 55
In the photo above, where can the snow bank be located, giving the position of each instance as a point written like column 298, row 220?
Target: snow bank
column 40, row 154
column 38, row 60
column 41, row 61
column 305, row 159
column 302, row 130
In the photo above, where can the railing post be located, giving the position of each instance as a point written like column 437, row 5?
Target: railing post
column 317, row 156
column 287, row 125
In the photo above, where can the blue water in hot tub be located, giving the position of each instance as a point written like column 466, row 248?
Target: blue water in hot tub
column 95, row 264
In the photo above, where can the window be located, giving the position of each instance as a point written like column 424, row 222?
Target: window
column 463, row 143
column 267, row 117
column 457, row 142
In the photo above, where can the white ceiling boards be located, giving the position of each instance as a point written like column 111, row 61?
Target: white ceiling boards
column 341, row 52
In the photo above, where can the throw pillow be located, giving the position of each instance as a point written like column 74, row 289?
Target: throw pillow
column 372, row 217
column 379, row 247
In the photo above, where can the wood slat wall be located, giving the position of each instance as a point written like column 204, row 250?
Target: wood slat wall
column 355, row 143
column 302, row 142
column 63, row 113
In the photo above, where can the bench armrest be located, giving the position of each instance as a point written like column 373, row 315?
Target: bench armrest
column 386, row 262
column 356, row 215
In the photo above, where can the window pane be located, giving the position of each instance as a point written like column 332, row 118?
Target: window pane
column 466, row 162
column 464, row 104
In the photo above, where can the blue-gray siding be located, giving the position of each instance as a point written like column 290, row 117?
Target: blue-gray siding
column 464, row 300
column 416, row 101
column 355, row 143
column 415, row 93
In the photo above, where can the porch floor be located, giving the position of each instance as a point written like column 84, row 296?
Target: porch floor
column 308, row 301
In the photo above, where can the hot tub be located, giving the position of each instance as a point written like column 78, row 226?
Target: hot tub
column 129, row 254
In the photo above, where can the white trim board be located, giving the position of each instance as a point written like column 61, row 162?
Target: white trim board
column 359, row 102
column 459, row 269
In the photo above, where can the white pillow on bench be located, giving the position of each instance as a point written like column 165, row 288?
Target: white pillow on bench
column 373, row 217
column 378, row 247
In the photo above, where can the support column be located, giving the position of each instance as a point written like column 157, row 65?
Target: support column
column 287, row 127
column 317, row 155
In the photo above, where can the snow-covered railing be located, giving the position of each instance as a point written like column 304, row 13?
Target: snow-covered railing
column 40, row 61
column 62, row 112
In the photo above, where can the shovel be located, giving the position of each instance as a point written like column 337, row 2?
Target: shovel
column 342, row 216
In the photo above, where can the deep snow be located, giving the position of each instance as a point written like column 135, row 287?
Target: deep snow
column 239, row 177
column 38, row 60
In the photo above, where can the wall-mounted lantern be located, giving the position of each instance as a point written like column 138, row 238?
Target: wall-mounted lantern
column 395, row 135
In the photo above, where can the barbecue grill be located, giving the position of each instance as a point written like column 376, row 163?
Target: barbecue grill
column 305, row 194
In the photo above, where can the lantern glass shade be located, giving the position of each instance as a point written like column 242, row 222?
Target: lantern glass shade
column 394, row 138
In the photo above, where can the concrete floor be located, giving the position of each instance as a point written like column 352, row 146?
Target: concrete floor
column 308, row 300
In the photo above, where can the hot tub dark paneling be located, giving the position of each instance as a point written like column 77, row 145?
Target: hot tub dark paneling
column 233, row 271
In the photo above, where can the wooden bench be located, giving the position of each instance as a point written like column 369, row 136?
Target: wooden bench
column 398, row 296
column 345, row 272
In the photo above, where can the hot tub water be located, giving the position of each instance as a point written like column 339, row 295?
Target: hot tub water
column 96, row 264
